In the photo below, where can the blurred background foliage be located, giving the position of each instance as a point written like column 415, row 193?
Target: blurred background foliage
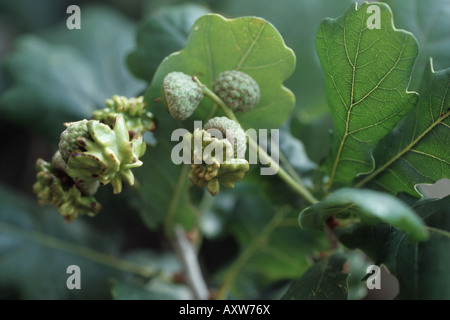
column 51, row 75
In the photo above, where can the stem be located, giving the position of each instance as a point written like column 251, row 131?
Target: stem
column 284, row 161
column 296, row 184
column 329, row 226
column 210, row 94
column 188, row 256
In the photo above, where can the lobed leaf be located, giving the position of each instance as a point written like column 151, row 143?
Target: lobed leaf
column 367, row 72
column 161, row 34
column 63, row 75
column 248, row 44
column 417, row 151
column 36, row 247
column 271, row 246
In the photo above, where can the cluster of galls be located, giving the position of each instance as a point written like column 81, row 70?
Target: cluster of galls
column 92, row 153
column 215, row 160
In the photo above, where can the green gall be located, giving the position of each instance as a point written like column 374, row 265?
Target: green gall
column 137, row 119
column 213, row 163
column 232, row 131
column 238, row 90
column 55, row 188
column 106, row 154
column 68, row 141
column 228, row 173
column 180, row 95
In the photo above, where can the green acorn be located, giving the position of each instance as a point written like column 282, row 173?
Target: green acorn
column 231, row 130
column 180, row 95
column 238, row 90
column 213, row 163
column 105, row 154
column 54, row 187
column 137, row 119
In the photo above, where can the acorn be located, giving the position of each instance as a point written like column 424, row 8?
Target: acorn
column 180, row 95
column 238, row 90
column 232, row 131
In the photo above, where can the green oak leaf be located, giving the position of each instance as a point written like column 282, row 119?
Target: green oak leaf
column 164, row 191
column 249, row 44
column 371, row 207
column 429, row 22
column 62, row 75
column 263, row 244
column 163, row 187
column 417, row 150
column 420, row 267
column 297, row 21
column 164, row 32
column 37, row 246
column 271, row 248
column 326, row 280
column 367, row 72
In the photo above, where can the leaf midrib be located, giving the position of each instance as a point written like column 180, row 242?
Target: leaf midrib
column 352, row 102
column 349, row 109
column 405, row 150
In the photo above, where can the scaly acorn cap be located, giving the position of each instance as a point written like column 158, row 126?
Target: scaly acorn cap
column 180, row 95
column 232, row 131
column 137, row 118
column 238, row 90
column 53, row 187
column 106, row 154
